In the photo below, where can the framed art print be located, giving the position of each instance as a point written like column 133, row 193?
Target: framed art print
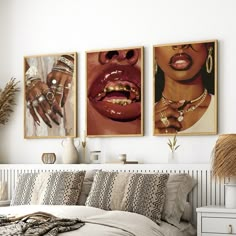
column 115, row 92
column 185, row 88
column 50, row 95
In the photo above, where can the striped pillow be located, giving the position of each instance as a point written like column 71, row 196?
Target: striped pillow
column 48, row 188
column 140, row 193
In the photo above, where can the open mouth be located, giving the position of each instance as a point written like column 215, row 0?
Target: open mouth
column 116, row 93
column 180, row 62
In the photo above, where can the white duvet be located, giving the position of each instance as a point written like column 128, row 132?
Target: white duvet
column 103, row 223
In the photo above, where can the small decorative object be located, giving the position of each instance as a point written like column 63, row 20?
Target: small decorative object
column 95, row 157
column 173, row 147
column 122, row 157
column 3, row 191
column 70, row 154
column 7, row 100
column 48, row 158
column 224, row 165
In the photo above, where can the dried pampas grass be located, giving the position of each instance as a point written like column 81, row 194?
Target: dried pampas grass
column 7, row 100
column 224, row 156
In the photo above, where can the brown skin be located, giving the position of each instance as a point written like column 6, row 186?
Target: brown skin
column 181, row 84
column 98, row 123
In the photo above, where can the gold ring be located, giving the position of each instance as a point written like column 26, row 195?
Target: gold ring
column 35, row 103
column 50, row 96
column 49, row 111
column 59, row 89
column 41, row 98
column 181, row 116
column 54, row 81
column 164, row 119
column 68, row 86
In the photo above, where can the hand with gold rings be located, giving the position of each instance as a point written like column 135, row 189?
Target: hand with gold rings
column 41, row 102
column 166, row 118
column 60, row 82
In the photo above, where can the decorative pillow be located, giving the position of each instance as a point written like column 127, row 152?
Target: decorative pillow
column 178, row 188
column 48, row 188
column 140, row 193
column 87, row 184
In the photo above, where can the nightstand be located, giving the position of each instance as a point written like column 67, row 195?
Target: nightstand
column 216, row 221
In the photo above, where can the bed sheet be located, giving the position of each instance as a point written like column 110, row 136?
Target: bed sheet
column 104, row 223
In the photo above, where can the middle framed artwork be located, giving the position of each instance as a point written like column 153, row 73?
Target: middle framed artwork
column 115, row 92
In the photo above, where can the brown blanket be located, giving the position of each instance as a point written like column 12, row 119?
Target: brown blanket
column 38, row 223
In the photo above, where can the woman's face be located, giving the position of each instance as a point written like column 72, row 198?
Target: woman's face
column 114, row 92
column 181, row 62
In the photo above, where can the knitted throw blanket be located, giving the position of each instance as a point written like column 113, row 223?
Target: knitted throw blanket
column 37, row 224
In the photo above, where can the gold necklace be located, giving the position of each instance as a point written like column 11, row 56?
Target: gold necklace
column 181, row 110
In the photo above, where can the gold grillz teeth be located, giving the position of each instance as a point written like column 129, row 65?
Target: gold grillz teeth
column 119, row 87
column 122, row 102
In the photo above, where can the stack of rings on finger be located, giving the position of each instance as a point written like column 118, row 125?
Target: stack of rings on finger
column 164, row 119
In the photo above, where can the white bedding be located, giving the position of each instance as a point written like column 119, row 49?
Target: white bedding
column 104, row 223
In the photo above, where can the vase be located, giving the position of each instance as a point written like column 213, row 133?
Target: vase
column 70, row 154
column 172, row 157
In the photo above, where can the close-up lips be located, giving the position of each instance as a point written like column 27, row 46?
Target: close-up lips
column 116, row 93
column 180, row 62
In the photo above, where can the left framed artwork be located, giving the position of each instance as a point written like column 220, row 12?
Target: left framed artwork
column 50, row 95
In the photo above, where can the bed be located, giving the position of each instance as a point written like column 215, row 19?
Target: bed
column 165, row 209
column 104, row 223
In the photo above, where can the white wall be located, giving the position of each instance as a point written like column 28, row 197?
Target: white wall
column 30, row 27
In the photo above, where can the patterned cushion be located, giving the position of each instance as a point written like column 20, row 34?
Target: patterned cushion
column 48, row 188
column 140, row 193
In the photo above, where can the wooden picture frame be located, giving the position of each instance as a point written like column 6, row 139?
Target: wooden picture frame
column 50, row 93
column 185, row 88
column 115, row 92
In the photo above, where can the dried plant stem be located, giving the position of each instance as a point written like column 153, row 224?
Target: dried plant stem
column 7, row 100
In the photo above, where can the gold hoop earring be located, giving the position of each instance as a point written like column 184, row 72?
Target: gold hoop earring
column 209, row 61
column 156, row 68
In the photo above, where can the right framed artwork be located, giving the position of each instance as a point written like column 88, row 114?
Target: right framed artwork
column 185, row 88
